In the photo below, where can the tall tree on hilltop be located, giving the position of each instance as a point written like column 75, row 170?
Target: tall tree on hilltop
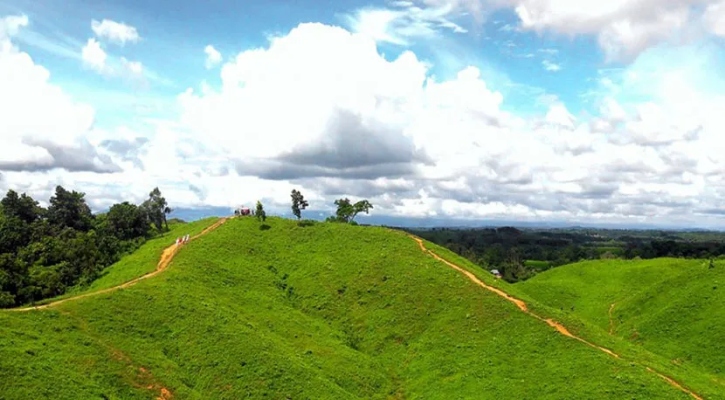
column 298, row 203
column 156, row 208
column 346, row 211
column 360, row 206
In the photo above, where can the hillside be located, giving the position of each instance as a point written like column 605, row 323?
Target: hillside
column 323, row 311
column 672, row 307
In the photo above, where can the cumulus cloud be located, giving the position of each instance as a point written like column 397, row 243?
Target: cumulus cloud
column 115, row 32
column 213, row 57
column 623, row 28
column 42, row 128
column 420, row 146
column 321, row 109
column 94, row 56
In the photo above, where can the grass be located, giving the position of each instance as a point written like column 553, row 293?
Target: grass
column 139, row 262
column 670, row 307
column 323, row 311
column 538, row 265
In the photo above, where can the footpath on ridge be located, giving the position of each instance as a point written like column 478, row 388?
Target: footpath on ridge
column 166, row 256
column 522, row 306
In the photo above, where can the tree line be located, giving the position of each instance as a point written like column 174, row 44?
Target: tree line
column 46, row 251
column 520, row 254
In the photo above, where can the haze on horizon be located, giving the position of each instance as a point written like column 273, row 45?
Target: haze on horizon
column 516, row 110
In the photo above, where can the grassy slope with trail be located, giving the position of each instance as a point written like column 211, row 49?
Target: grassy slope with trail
column 138, row 263
column 672, row 307
column 327, row 311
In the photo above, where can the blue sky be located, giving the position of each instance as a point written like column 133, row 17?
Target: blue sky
column 173, row 33
column 461, row 108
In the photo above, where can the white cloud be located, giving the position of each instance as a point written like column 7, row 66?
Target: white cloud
column 624, row 28
column 115, row 32
column 551, row 66
column 94, row 56
column 213, row 57
column 133, row 67
column 404, row 22
column 42, row 128
column 321, row 109
column 10, row 25
column 484, row 162
column 714, row 18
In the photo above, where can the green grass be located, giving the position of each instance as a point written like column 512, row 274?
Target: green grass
column 670, row 307
column 324, row 311
column 538, row 264
column 145, row 259
column 140, row 262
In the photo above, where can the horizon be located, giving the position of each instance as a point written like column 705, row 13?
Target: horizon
column 195, row 214
column 537, row 112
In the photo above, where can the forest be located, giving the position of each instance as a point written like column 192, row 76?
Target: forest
column 519, row 254
column 44, row 252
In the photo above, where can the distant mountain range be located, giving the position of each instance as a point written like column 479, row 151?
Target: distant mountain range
column 193, row 214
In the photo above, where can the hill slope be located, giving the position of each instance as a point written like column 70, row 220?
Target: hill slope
column 326, row 311
column 671, row 307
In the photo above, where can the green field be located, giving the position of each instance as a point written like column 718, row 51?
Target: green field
column 537, row 265
column 325, row 311
column 671, row 307
column 140, row 262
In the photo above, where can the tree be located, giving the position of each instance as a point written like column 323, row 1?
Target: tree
column 156, row 209
column 22, row 207
column 261, row 215
column 69, row 210
column 346, row 211
column 127, row 221
column 298, row 203
column 361, row 206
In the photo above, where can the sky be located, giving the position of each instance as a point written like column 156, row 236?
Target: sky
column 516, row 110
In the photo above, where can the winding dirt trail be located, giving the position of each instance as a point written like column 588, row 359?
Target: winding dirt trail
column 166, row 256
column 559, row 327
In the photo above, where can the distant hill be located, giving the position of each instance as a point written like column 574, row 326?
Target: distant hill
column 327, row 311
column 672, row 307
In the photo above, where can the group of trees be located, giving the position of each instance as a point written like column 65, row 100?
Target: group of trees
column 346, row 210
column 46, row 251
column 520, row 253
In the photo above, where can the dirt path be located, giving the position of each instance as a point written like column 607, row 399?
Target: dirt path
column 611, row 320
column 166, row 256
column 559, row 327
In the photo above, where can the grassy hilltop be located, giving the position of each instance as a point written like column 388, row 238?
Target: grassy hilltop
column 324, row 311
column 672, row 307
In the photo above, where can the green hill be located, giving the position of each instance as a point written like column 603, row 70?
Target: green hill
column 324, row 311
column 671, row 307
